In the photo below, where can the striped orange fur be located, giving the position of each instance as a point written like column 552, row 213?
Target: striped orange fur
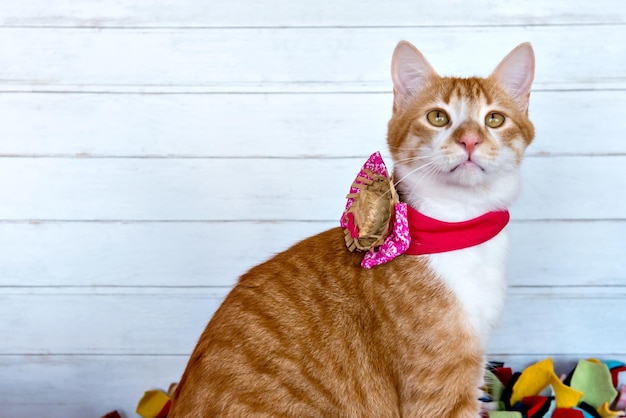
column 310, row 333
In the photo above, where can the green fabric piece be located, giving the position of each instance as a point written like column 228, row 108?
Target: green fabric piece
column 505, row 414
column 595, row 382
column 494, row 385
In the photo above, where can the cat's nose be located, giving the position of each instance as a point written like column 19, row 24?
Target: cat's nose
column 470, row 142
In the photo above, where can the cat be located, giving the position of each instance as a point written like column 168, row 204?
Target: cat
column 311, row 333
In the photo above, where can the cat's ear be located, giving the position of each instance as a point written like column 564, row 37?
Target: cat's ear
column 516, row 72
column 409, row 72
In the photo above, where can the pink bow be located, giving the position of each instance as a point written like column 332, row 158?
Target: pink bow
column 399, row 239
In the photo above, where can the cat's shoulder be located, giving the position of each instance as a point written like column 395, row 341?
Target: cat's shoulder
column 322, row 251
column 326, row 255
column 325, row 246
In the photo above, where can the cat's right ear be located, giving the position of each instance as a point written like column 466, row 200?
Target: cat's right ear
column 409, row 72
column 516, row 73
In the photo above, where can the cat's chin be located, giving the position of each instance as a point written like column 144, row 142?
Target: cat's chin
column 467, row 174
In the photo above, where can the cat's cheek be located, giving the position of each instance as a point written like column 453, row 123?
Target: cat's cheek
column 515, row 144
column 508, row 160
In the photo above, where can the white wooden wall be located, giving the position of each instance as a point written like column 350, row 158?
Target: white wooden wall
column 152, row 151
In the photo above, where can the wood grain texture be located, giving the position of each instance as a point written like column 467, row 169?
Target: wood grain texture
column 258, row 189
column 562, row 321
column 205, row 254
column 277, row 59
column 70, row 386
column 271, row 13
column 289, row 125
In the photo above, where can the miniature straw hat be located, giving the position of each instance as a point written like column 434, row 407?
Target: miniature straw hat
column 370, row 215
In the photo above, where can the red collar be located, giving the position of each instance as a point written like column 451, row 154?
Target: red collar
column 429, row 236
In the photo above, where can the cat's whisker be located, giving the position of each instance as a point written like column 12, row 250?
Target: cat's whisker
column 412, row 159
column 422, row 167
column 403, row 148
column 431, row 171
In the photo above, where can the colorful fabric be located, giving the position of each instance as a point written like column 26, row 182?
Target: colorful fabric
column 540, row 376
column 591, row 390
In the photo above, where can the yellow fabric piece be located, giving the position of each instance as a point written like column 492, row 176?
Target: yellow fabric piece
column 533, row 380
column 606, row 412
column 538, row 377
column 152, row 403
column 566, row 397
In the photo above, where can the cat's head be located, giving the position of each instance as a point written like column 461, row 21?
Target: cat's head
column 459, row 141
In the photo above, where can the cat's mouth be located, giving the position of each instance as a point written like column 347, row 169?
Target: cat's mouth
column 467, row 165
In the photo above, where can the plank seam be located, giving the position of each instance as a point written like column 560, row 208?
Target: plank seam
column 262, row 221
column 91, row 156
column 288, row 89
column 521, row 25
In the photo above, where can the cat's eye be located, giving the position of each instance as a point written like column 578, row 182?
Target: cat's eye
column 438, row 118
column 494, row 120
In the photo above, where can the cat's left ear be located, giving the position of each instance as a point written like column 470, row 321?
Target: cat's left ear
column 516, row 73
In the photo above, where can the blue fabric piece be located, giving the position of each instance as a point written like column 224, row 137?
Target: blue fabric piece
column 588, row 410
column 552, row 408
column 611, row 364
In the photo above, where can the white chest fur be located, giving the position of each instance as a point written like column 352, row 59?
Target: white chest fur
column 477, row 277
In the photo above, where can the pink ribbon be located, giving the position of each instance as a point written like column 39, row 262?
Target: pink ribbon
column 400, row 238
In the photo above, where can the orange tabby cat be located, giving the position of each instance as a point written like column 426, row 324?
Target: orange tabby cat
column 311, row 333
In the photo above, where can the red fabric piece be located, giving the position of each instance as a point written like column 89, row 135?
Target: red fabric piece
column 430, row 236
column 165, row 410
column 537, row 405
column 567, row 413
column 352, row 228
column 504, row 374
column 615, row 372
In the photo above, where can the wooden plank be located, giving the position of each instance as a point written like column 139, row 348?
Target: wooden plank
column 536, row 321
column 90, row 386
column 82, row 386
column 210, row 125
column 300, row 125
column 105, row 321
column 568, row 253
column 267, row 189
column 141, row 254
column 323, row 59
column 565, row 321
column 215, row 254
column 263, row 13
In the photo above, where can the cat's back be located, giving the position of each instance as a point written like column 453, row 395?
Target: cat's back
column 312, row 333
column 277, row 345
